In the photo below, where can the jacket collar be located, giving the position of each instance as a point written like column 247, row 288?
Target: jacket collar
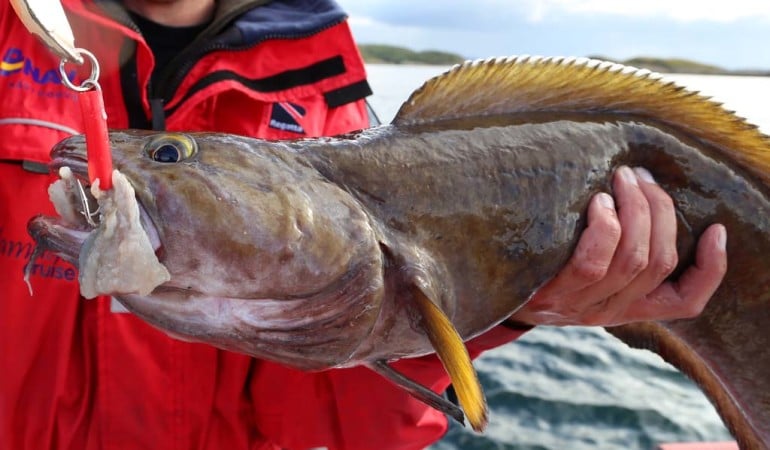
column 242, row 22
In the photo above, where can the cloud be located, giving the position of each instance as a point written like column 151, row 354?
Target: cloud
column 729, row 34
column 678, row 10
column 484, row 14
column 429, row 14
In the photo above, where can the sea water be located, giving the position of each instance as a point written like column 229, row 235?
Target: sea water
column 577, row 387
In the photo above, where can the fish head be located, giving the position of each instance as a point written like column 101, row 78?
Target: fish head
column 264, row 255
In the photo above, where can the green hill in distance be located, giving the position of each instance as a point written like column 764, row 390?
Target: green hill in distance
column 391, row 54
column 680, row 65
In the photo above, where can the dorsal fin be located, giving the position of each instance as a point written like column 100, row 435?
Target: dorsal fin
column 531, row 84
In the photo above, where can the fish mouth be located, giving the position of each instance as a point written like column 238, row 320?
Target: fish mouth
column 78, row 211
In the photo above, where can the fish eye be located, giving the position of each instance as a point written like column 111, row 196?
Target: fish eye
column 171, row 148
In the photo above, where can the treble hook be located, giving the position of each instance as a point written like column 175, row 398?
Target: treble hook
column 86, row 206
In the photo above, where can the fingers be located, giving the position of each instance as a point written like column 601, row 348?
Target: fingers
column 662, row 258
column 618, row 270
column 702, row 280
column 688, row 296
column 633, row 252
column 592, row 256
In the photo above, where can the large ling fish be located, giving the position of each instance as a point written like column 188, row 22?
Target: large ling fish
column 410, row 238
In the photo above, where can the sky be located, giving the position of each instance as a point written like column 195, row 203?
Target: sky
column 733, row 34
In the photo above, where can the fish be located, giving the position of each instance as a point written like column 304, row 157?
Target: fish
column 413, row 237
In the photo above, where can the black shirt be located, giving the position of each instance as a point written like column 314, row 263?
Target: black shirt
column 165, row 41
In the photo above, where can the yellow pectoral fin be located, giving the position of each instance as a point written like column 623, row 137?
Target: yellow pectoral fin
column 453, row 354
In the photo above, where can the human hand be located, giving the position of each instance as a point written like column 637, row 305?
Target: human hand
column 617, row 273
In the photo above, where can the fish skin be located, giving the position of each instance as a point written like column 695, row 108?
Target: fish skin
column 227, row 241
column 306, row 252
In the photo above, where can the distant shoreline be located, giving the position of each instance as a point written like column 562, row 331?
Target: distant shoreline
column 679, row 65
column 390, row 54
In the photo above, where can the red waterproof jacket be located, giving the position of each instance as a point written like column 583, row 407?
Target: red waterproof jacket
column 81, row 374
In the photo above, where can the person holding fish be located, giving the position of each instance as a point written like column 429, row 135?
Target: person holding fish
column 86, row 374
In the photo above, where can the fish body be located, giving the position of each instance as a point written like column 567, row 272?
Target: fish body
column 335, row 252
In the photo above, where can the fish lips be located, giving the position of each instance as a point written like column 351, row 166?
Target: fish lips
column 68, row 235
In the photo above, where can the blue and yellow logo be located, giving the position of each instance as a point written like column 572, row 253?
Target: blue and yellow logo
column 14, row 61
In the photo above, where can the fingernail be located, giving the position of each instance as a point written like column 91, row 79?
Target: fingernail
column 606, row 200
column 628, row 175
column 644, row 174
column 722, row 238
